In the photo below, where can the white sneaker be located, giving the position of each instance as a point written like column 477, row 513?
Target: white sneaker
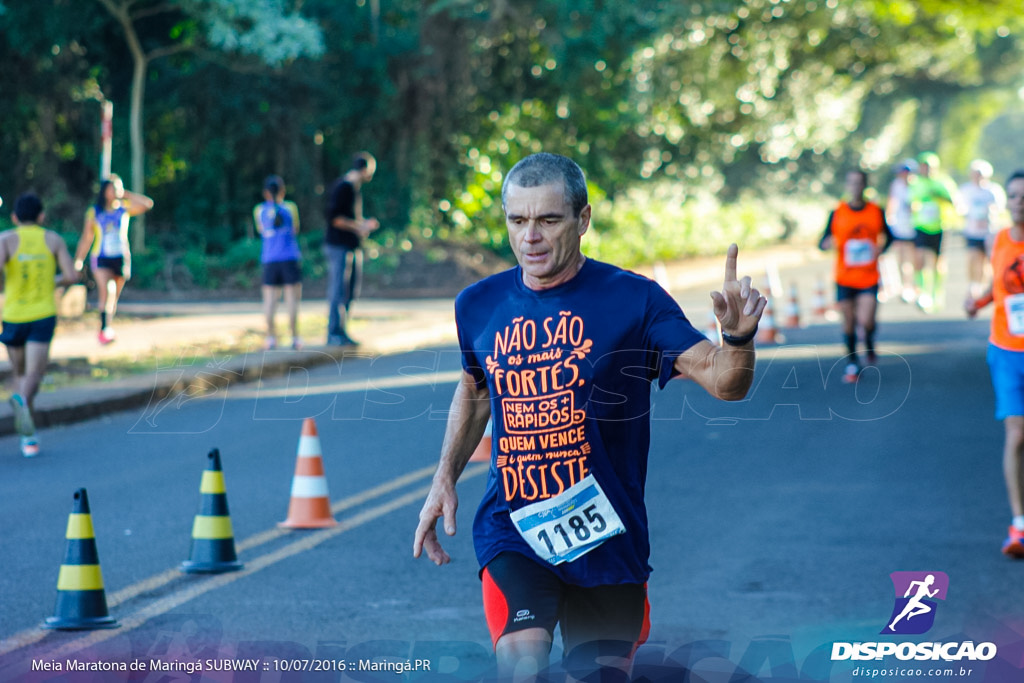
column 851, row 373
column 29, row 446
column 22, row 416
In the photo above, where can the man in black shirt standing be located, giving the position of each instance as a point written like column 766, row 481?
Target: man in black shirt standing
column 346, row 229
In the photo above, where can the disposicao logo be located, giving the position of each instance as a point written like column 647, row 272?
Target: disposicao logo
column 916, row 593
column 913, row 614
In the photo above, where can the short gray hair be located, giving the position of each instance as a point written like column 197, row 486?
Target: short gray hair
column 543, row 169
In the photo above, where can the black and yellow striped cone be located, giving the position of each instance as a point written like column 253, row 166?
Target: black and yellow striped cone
column 213, row 543
column 81, row 601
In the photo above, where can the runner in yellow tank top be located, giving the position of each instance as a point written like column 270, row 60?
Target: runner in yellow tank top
column 29, row 256
column 30, row 278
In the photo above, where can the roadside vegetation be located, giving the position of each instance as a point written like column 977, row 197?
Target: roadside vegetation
column 698, row 124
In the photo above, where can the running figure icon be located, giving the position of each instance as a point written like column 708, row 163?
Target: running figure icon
column 915, row 606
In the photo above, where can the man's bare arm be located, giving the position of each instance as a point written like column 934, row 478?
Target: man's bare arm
column 69, row 275
column 467, row 420
column 727, row 371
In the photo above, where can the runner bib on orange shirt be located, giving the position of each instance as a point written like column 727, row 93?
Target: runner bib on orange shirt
column 856, row 233
column 1007, row 331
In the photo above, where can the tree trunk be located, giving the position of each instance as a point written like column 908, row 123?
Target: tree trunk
column 140, row 64
column 138, row 237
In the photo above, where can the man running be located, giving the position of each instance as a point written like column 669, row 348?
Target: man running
column 980, row 202
column 1006, row 353
column 858, row 232
column 899, row 217
column 928, row 192
column 30, row 255
column 562, row 350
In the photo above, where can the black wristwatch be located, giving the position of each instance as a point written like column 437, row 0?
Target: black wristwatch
column 739, row 341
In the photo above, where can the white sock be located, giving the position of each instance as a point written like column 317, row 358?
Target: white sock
column 1018, row 521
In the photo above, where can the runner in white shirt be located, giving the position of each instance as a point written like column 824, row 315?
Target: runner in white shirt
column 900, row 220
column 980, row 202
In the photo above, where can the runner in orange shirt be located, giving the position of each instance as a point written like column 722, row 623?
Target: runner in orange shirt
column 1006, row 352
column 859, row 233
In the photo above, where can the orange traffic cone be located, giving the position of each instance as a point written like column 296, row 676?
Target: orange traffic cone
column 213, row 541
column 712, row 331
column 772, row 280
column 820, row 307
column 483, row 449
column 766, row 331
column 81, row 600
column 310, row 505
column 793, row 308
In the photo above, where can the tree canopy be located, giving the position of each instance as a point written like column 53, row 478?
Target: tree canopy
column 669, row 107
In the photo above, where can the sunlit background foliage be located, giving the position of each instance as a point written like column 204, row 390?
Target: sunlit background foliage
column 698, row 123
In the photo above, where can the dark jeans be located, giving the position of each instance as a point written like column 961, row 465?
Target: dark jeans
column 344, row 274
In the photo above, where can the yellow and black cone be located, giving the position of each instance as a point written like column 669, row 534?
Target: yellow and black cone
column 213, row 542
column 81, row 601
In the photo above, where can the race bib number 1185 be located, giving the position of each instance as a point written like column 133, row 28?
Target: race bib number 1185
column 569, row 525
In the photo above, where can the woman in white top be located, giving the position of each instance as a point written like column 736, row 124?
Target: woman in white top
column 980, row 202
column 899, row 217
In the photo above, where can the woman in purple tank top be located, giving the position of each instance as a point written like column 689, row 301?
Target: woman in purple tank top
column 277, row 222
column 105, row 236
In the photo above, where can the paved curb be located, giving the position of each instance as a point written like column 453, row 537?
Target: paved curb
column 76, row 404
column 80, row 403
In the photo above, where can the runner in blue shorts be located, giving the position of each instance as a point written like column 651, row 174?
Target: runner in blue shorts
column 1007, row 368
column 1006, row 353
column 559, row 353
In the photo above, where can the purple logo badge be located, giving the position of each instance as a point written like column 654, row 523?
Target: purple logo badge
column 916, row 593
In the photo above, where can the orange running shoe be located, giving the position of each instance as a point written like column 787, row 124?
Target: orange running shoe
column 1014, row 543
column 851, row 374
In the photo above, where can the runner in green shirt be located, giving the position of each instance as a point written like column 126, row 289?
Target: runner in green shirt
column 927, row 193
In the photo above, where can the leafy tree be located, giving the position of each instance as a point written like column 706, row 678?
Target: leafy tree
column 723, row 97
column 159, row 28
column 49, row 121
column 673, row 109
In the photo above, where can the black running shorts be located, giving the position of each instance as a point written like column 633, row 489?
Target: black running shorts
column 39, row 331
column 843, row 292
column 928, row 240
column 519, row 593
column 279, row 273
column 976, row 243
column 115, row 264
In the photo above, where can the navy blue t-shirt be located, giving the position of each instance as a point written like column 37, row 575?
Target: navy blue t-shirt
column 569, row 370
column 341, row 201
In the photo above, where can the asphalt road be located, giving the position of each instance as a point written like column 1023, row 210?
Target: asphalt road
column 775, row 522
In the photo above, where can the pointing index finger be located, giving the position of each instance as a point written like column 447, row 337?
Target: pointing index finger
column 730, row 263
